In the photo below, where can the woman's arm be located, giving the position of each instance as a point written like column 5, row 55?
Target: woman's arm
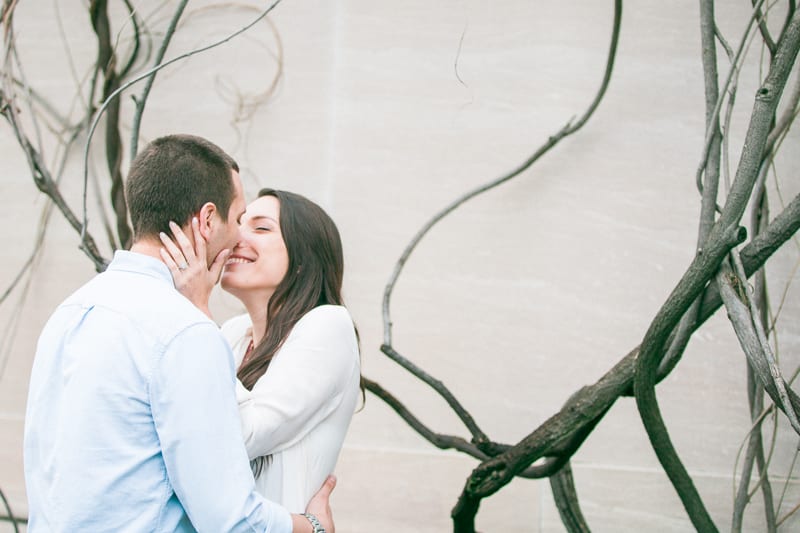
column 304, row 383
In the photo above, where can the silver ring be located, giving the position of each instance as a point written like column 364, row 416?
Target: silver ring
column 183, row 266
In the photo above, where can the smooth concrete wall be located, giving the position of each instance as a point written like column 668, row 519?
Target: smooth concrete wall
column 384, row 114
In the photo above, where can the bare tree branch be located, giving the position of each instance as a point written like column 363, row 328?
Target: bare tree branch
column 11, row 516
column 706, row 11
column 710, row 170
column 107, row 63
column 754, row 457
column 45, row 183
column 755, row 391
column 762, row 27
column 137, row 41
column 701, row 270
column 444, row 442
column 589, row 404
column 547, row 450
column 787, row 118
column 565, row 131
column 111, row 98
column 478, row 436
column 743, row 315
column 563, row 487
column 148, row 84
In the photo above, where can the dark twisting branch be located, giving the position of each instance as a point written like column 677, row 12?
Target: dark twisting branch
column 754, row 455
column 150, row 72
column 552, row 141
column 478, row 437
column 148, row 84
column 106, row 65
column 722, row 238
column 46, row 184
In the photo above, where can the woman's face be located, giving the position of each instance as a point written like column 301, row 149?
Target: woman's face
column 259, row 261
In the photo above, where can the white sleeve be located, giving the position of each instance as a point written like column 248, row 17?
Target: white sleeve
column 304, row 383
column 236, row 331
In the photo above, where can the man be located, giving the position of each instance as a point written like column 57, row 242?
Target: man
column 132, row 422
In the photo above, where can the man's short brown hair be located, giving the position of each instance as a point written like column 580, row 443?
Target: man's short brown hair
column 172, row 178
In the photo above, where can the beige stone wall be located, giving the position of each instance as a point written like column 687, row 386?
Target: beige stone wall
column 384, row 114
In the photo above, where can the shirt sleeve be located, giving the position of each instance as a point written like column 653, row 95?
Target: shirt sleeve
column 304, row 383
column 194, row 410
column 237, row 331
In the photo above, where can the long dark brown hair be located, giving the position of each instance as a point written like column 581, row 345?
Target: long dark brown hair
column 313, row 278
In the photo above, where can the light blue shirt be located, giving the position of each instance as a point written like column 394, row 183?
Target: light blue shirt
column 132, row 422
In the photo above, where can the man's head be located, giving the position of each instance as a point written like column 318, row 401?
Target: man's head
column 177, row 177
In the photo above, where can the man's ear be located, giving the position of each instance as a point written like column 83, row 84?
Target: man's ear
column 207, row 218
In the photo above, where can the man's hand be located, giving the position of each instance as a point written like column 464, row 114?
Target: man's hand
column 320, row 507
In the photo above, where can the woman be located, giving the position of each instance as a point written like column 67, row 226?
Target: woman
column 296, row 348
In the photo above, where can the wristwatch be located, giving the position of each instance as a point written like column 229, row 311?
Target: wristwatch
column 314, row 523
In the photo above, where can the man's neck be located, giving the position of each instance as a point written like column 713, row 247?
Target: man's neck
column 148, row 247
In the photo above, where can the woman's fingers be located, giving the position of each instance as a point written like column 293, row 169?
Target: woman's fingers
column 174, row 256
column 188, row 264
column 219, row 263
column 199, row 241
column 173, row 267
column 184, row 242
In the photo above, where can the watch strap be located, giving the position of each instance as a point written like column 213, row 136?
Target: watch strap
column 315, row 523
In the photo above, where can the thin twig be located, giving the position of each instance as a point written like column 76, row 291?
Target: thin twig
column 142, row 100
column 44, row 181
column 444, row 442
column 739, row 313
column 245, row 105
column 766, row 350
column 796, row 508
column 759, row 219
column 788, row 117
column 565, row 131
column 701, row 270
column 563, row 486
column 753, row 456
column 762, row 27
column 738, row 58
column 587, row 406
column 711, row 172
column 10, row 513
column 478, row 436
column 137, row 79
column 107, row 63
column 137, row 40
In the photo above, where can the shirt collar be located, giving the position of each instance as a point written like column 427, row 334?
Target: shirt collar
column 126, row 261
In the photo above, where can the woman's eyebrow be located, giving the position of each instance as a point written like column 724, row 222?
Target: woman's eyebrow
column 260, row 217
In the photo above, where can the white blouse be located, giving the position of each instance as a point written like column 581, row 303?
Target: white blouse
column 299, row 410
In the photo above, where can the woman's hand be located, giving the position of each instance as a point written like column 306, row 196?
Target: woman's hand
column 188, row 265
